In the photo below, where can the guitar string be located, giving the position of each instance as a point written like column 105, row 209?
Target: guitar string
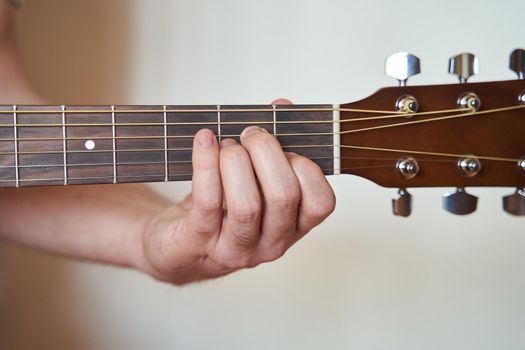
column 197, row 110
column 206, row 124
column 262, row 122
column 153, row 176
column 440, row 154
column 73, row 165
column 382, row 149
column 462, row 115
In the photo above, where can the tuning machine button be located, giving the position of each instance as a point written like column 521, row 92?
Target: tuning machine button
column 402, row 206
column 407, row 104
column 521, row 98
column 514, row 204
column 517, row 62
column 521, row 165
column 460, row 202
column 469, row 166
column 407, row 168
column 463, row 66
column 469, row 101
column 402, row 66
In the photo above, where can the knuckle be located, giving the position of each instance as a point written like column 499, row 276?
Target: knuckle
column 244, row 239
column 273, row 253
column 322, row 207
column 202, row 229
column 209, row 206
column 246, row 214
column 286, row 198
column 236, row 262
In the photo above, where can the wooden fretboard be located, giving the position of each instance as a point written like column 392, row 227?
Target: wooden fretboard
column 66, row 145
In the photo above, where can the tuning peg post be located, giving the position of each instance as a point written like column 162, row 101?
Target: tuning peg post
column 463, row 66
column 517, row 62
column 402, row 206
column 460, row 202
column 402, row 66
column 514, row 204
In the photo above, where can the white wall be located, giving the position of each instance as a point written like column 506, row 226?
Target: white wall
column 364, row 279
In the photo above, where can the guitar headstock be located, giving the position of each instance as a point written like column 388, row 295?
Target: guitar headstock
column 454, row 135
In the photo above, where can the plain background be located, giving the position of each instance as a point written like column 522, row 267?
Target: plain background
column 362, row 280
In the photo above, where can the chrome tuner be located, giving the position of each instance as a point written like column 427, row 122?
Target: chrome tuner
column 521, row 98
column 402, row 206
column 469, row 166
column 469, row 101
column 460, row 202
column 407, row 168
column 521, row 165
column 402, row 66
column 517, row 62
column 463, row 66
column 514, row 204
column 407, row 104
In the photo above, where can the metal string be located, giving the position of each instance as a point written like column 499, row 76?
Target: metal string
column 154, row 176
column 455, row 155
column 262, row 122
column 72, row 165
column 204, row 110
column 454, row 116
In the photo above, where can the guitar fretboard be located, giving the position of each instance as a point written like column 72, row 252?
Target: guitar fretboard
column 67, row 145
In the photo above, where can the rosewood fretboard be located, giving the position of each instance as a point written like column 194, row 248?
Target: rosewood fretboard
column 62, row 145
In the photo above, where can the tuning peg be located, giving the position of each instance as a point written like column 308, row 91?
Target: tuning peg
column 402, row 206
column 460, row 202
column 517, row 62
column 514, row 204
column 463, row 66
column 401, row 66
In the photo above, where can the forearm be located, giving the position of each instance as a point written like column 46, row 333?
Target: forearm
column 98, row 223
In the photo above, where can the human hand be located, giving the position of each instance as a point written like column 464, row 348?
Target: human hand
column 250, row 202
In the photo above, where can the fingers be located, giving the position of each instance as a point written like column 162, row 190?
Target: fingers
column 243, row 201
column 282, row 101
column 205, row 216
column 317, row 196
column 279, row 185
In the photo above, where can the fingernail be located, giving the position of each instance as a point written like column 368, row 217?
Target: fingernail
column 253, row 130
column 228, row 142
column 206, row 138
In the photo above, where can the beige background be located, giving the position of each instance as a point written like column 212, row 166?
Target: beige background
column 364, row 279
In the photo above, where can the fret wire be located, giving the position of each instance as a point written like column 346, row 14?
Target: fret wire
column 166, row 170
column 336, row 141
column 113, row 131
column 219, row 131
column 15, row 142
column 64, row 146
column 274, row 120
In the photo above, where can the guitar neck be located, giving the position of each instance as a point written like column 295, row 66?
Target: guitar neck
column 69, row 145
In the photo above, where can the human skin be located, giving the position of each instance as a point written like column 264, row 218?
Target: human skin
column 250, row 202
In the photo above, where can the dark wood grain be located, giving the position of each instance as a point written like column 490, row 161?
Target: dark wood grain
column 144, row 150
column 496, row 135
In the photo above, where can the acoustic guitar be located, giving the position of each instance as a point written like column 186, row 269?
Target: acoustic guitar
column 458, row 135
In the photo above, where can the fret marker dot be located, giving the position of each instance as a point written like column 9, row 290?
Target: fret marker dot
column 90, row 145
